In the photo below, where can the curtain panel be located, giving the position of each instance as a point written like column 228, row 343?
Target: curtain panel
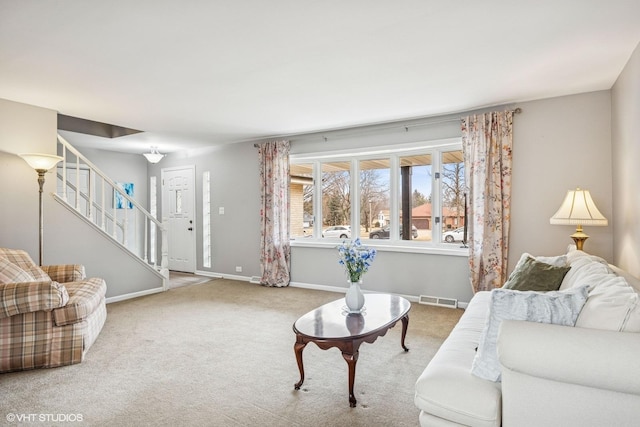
column 275, row 251
column 487, row 141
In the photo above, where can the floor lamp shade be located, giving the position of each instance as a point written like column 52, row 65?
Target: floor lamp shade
column 41, row 163
column 578, row 209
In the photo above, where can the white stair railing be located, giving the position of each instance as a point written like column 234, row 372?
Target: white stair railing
column 108, row 206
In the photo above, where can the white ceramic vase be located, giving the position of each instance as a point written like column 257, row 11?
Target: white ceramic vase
column 354, row 297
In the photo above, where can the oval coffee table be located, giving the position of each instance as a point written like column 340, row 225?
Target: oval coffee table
column 330, row 326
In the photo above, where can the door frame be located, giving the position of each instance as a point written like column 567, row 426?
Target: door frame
column 165, row 217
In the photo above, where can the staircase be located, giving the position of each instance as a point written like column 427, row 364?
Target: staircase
column 93, row 196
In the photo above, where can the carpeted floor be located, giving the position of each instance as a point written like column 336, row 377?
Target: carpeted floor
column 220, row 353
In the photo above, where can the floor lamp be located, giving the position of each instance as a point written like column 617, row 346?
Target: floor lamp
column 42, row 163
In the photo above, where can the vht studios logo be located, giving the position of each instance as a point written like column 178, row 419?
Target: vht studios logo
column 44, row 418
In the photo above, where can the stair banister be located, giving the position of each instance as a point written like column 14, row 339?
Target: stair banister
column 93, row 171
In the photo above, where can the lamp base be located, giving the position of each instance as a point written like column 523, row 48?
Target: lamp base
column 579, row 237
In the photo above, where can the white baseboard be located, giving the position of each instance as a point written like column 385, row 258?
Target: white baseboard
column 340, row 289
column 133, row 295
column 208, row 274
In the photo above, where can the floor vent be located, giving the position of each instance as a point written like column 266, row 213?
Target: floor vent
column 255, row 279
column 440, row 302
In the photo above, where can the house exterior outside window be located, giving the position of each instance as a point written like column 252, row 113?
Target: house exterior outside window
column 409, row 195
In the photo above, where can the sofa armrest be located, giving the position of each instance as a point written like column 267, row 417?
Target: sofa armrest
column 593, row 358
column 26, row 297
column 65, row 273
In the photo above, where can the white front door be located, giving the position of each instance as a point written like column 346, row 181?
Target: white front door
column 178, row 207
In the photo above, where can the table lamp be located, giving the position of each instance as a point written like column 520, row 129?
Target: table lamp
column 578, row 209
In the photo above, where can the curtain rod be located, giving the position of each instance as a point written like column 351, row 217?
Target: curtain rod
column 373, row 128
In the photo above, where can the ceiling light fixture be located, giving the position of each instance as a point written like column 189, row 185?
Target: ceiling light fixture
column 154, row 156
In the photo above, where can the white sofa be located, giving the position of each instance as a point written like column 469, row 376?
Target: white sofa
column 587, row 375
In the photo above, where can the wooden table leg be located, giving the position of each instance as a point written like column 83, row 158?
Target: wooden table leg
column 405, row 323
column 351, row 362
column 298, row 347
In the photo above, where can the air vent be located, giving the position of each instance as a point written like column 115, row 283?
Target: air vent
column 440, row 302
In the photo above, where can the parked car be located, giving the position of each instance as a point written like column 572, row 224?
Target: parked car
column 383, row 233
column 341, row 231
column 454, row 235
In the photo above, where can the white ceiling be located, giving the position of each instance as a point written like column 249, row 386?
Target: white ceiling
column 205, row 72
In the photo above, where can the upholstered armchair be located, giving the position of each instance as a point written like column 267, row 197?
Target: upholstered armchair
column 49, row 316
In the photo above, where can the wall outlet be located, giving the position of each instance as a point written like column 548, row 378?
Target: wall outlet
column 220, row 211
column 238, row 269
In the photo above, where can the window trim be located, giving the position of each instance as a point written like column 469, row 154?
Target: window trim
column 393, row 152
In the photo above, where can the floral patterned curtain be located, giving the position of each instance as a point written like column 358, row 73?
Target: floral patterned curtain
column 487, row 141
column 275, row 252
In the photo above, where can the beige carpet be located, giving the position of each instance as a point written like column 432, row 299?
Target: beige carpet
column 221, row 354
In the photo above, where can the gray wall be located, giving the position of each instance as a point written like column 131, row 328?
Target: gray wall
column 24, row 129
column 559, row 143
column 625, row 107
column 235, row 187
column 76, row 242
column 120, row 168
column 553, row 140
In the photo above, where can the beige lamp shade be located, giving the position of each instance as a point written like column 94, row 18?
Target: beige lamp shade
column 578, row 209
column 41, row 161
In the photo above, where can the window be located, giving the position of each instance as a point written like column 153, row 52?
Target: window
column 415, row 214
column 153, row 210
column 336, row 196
column 453, row 196
column 374, row 196
column 206, row 219
column 301, row 201
column 410, row 195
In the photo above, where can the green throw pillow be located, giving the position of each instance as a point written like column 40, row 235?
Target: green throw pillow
column 532, row 275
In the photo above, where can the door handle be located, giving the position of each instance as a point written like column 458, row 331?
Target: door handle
column 190, row 228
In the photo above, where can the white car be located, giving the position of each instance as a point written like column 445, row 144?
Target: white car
column 341, row 231
column 454, row 235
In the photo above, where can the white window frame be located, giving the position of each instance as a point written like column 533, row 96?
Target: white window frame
column 393, row 152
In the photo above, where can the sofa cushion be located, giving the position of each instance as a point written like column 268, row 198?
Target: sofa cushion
column 26, row 297
column 446, row 389
column 84, row 298
column 532, row 275
column 557, row 307
column 556, row 261
column 612, row 305
column 11, row 273
column 583, row 271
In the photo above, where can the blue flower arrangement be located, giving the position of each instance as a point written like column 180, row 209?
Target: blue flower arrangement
column 356, row 259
